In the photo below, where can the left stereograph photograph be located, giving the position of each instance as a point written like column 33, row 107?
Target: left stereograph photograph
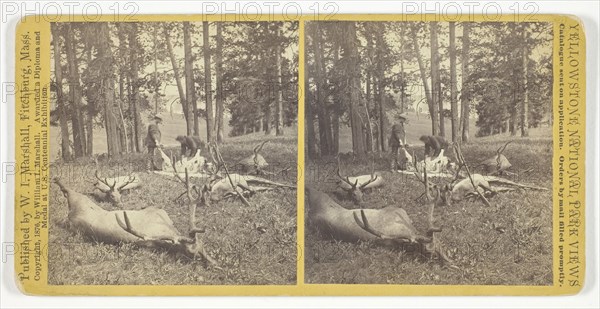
column 173, row 153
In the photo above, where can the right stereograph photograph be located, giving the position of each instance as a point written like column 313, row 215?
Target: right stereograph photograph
column 428, row 153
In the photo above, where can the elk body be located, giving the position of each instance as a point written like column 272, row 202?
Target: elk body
column 339, row 223
column 112, row 187
column 149, row 227
column 192, row 164
column 390, row 224
column 220, row 187
column 485, row 184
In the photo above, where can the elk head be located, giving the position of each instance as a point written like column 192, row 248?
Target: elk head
column 255, row 163
column 112, row 187
column 355, row 188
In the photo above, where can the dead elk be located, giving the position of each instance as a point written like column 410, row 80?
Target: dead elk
column 254, row 163
column 113, row 186
column 388, row 226
column 149, row 227
column 193, row 164
column 477, row 185
column 498, row 164
column 225, row 185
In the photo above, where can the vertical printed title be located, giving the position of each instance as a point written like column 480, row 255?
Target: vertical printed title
column 32, row 110
column 569, row 185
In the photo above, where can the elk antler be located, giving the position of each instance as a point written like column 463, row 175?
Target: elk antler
column 129, row 228
column 217, row 166
column 256, row 150
column 502, row 148
column 347, row 178
column 455, row 147
column 193, row 246
column 192, row 202
column 233, row 186
column 462, row 161
column 364, row 224
column 498, row 153
column 105, row 181
column 130, row 179
column 373, row 176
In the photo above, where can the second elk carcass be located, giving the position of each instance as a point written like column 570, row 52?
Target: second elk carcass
column 255, row 163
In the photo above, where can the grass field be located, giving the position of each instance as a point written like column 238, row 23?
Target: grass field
column 252, row 245
column 509, row 243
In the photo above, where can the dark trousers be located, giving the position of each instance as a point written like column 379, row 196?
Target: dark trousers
column 151, row 161
column 398, row 159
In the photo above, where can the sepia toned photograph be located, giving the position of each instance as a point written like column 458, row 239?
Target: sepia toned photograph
column 428, row 153
column 173, row 153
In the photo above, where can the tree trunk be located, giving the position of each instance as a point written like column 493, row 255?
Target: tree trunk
column 370, row 87
column 207, row 84
column 123, row 132
column 428, row 95
column 323, row 114
column 525, row 103
column 219, row 79
column 267, row 118
column 335, row 115
column 402, row 103
column 370, row 139
column 516, row 83
column 155, row 75
column 182, row 97
column 124, row 75
column 438, row 108
column 309, row 123
column 135, row 85
column 108, row 91
column 380, row 86
column 60, row 104
column 189, row 81
column 353, row 61
column 90, row 98
column 75, row 94
column 453, row 86
column 464, row 96
column 279, row 106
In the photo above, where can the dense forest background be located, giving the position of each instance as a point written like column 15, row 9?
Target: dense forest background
column 117, row 76
column 361, row 75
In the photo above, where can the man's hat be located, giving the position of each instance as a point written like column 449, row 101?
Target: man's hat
column 156, row 118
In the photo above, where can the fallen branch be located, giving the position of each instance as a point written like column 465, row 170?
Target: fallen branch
column 504, row 181
column 463, row 163
column 221, row 161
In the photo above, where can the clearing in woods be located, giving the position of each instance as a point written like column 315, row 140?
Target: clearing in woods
column 252, row 245
column 509, row 243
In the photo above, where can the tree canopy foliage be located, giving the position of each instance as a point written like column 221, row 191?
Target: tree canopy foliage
column 363, row 74
column 116, row 75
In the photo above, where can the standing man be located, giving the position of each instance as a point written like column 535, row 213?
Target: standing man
column 153, row 141
column 396, row 142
